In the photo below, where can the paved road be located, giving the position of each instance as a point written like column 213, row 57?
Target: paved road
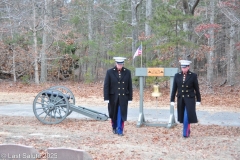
column 151, row 115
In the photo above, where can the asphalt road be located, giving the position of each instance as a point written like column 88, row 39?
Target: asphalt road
column 150, row 115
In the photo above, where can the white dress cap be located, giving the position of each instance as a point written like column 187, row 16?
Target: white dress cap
column 185, row 63
column 119, row 59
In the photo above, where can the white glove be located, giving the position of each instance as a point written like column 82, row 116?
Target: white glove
column 129, row 101
column 107, row 101
column 198, row 103
column 172, row 103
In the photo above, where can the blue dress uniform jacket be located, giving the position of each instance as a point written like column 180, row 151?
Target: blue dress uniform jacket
column 118, row 90
column 187, row 92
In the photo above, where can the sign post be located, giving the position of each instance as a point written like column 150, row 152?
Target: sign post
column 157, row 72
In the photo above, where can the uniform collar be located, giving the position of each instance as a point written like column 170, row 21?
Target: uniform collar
column 188, row 72
column 115, row 68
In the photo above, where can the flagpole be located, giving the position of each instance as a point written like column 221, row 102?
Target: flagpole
column 141, row 54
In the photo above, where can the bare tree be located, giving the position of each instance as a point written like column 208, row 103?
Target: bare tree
column 234, row 20
column 189, row 7
column 35, row 50
column 44, row 44
column 231, row 62
column 148, row 17
column 210, row 55
column 11, row 49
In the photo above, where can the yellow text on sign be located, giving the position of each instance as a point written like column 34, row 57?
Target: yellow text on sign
column 155, row 71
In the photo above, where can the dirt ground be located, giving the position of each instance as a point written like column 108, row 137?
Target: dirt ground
column 143, row 143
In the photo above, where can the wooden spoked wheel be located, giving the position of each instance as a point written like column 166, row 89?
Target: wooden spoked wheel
column 51, row 106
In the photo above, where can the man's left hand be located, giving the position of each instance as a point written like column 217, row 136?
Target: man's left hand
column 198, row 103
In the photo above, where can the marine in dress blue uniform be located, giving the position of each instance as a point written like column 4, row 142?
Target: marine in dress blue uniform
column 118, row 93
column 185, row 84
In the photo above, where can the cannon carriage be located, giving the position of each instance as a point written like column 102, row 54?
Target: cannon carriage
column 53, row 105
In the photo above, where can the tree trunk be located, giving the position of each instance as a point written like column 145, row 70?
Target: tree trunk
column 14, row 66
column 35, row 45
column 231, row 64
column 147, row 26
column 189, row 8
column 210, row 56
column 44, row 46
column 90, row 66
column 11, row 46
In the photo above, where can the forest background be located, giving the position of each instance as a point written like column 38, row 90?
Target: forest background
column 75, row 40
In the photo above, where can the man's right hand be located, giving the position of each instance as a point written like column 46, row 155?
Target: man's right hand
column 107, row 101
column 172, row 103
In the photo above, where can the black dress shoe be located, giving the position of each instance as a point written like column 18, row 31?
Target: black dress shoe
column 188, row 134
column 114, row 131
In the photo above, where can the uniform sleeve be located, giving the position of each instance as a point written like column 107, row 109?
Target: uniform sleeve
column 174, row 90
column 196, row 88
column 130, row 87
column 106, row 86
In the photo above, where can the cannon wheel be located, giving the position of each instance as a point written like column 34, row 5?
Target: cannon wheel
column 67, row 92
column 51, row 106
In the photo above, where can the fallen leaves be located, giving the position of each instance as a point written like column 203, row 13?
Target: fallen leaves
column 137, row 143
column 95, row 137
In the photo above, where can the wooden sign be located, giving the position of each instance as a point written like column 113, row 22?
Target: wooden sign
column 155, row 71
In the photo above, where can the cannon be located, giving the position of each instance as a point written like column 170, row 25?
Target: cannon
column 53, row 105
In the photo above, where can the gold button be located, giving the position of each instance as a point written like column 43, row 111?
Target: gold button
column 182, row 85
column 186, row 86
column 182, row 90
column 182, row 95
column 118, row 88
column 186, row 90
column 123, row 88
column 188, row 95
column 123, row 82
column 123, row 93
column 118, row 82
column 119, row 94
